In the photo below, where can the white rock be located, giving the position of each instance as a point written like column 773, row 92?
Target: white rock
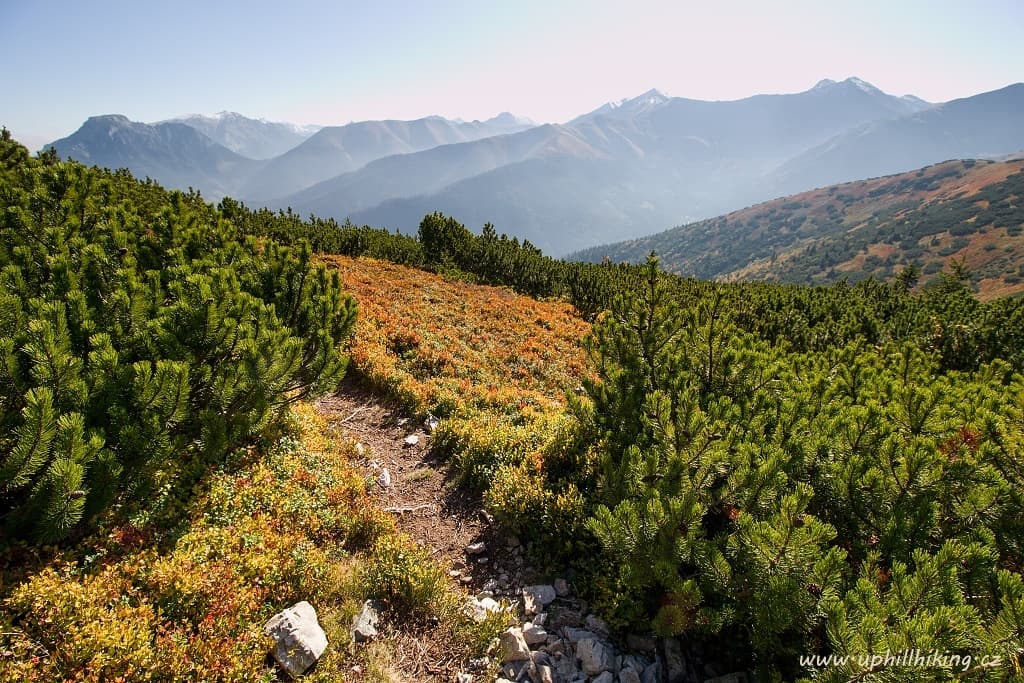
column 384, row 478
column 476, row 548
column 513, row 646
column 534, row 634
column 412, row 440
column 542, row 594
column 594, row 656
column 463, row 677
column 364, row 625
column 575, row 635
column 629, row 675
column 360, row 449
column 480, row 608
column 430, row 423
column 298, row 639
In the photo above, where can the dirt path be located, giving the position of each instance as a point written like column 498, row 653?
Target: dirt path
column 422, row 496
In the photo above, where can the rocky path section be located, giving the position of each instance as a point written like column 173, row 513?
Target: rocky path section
column 557, row 640
column 412, row 483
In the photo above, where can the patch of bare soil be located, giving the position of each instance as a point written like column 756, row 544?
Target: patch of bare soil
column 421, row 494
column 427, row 504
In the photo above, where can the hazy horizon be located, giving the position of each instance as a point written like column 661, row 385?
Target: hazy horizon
column 332, row 63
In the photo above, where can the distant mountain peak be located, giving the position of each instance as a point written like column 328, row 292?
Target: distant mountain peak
column 853, row 81
column 862, row 84
column 629, row 106
column 508, row 118
column 108, row 118
column 652, row 97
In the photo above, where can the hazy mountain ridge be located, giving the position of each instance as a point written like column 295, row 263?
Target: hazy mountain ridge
column 641, row 163
column 969, row 210
column 986, row 125
column 175, row 154
column 674, row 159
column 335, row 150
column 252, row 138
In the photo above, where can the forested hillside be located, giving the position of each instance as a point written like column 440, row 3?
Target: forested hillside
column 967, row 212
column 793, row 481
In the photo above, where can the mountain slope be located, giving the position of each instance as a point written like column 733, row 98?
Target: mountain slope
column 404, row 176
column 956, row 210
column 335, row 150
column 987, row 125
column 639, row 164
column 174, row 154
column 252, row 138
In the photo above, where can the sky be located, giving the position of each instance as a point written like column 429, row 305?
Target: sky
column 331, row 62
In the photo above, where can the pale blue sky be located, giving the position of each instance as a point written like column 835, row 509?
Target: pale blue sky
column 332, row 62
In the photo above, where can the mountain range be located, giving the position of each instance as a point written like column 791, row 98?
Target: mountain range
column 252, row 138
column 626, row 169
column 966, row 212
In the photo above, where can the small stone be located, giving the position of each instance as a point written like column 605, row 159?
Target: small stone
column 384, row 478
column 540, row 619
column 546, row 674
column 605, row 677
column 561, row 588
column 463, row 677
column 542, row 594
column 629, row 675
column 360, row 449
column 534, row 634
column 530, row 605
column 594, row 656
column 476, row 548
column 675, row 660
column 482, row 560
column 575, row 635
column 430, row 423
column 513, row 646
column 480, row 608
column 364, row 625
column 597, row 625
column 454, row 573
column 298, row 639
column 651, row 674
column 411, row 440
column 634, row 662
column 520, row 670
